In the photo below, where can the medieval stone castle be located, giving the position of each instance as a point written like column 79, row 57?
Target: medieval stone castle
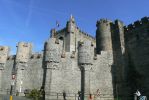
column 113, row 64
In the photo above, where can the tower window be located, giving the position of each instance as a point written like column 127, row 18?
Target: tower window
column 61, row 38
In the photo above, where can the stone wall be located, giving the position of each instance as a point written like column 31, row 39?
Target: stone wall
column 110, row 62
column 137, row 43
column 6, row 77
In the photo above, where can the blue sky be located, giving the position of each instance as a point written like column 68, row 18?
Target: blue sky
column 31, row 20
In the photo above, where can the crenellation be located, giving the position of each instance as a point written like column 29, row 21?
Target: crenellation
column 105, row 59
column 88, row 36
column 103, row 35
column 103, row 21
column 130, row 27
column 4, row 53
column 36, row 56
column 137, row 24
column 145, row 20
column 137, row 31
column 23, row 52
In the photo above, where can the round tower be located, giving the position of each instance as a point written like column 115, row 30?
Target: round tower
column 85, row 60
column 103, row 35
column 52, row 51
column 84, row 53
column 21, row 62
column 52, row 59
column 23, row 52
column 4, row 52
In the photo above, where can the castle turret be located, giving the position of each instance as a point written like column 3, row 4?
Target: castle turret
column 70, row 45
column 22, row 57
column 71, row 25
column 103, row 35
column 52, row 59
column 85, row 60
column 84, row 53
column 23, row 52
column 4, row 51
column 52, row 51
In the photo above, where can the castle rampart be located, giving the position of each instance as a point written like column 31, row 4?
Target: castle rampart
column 72, row 61
column 137, row 30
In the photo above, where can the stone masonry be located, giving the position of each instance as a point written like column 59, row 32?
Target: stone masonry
column 115, row 62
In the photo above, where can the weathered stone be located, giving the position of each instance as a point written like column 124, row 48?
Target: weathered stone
column 110, row 61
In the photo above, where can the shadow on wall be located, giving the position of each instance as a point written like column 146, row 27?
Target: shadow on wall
column 121, row 88
column 137, row 46
column 44, row 67
column 130, row 68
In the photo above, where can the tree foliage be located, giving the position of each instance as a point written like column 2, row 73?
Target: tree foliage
column 34, row 94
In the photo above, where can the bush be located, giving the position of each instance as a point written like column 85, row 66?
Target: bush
column 35, row 94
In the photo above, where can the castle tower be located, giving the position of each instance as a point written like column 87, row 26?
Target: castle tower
column 84, row 53
column 52, row 59
column 23, row 53
column 85, row 60
column 70, row 44
column 4, row 51
column 137, row 37
column 118, row 48
column 103, row 35
column 120, row 28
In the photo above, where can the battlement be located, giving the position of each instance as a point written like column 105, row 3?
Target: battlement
column 86, row 34
column 23, row 51
column 103, row 21
column 4, row 51
column 36, row 56
column 71, row 28
column 137, row 24
column 138, row 30
column 72, row 57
